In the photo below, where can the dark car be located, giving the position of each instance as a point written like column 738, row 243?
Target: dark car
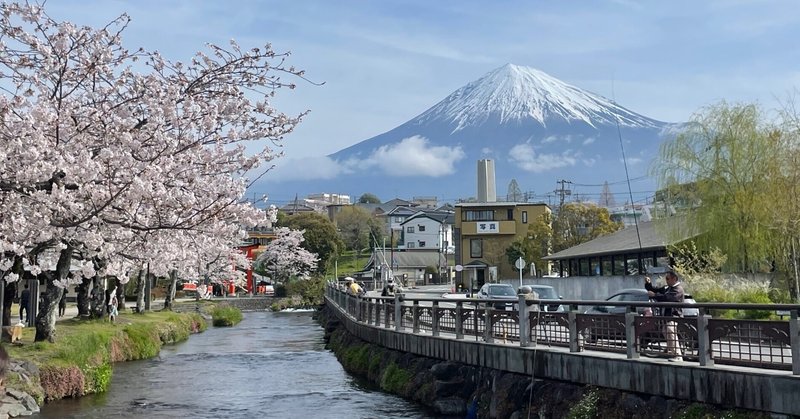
column 547, row 292
column 499, row 292
column 628, row 295
column 639, row 295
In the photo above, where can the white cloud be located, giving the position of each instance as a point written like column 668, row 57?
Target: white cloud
column 589, row 162
column 551, row 139
column 412, row 156
column 486, row 150
column 526, row 158
column 307, row 168
column 632, row 161
column 588, row 141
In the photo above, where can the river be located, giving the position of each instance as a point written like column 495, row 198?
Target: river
column 271, row 365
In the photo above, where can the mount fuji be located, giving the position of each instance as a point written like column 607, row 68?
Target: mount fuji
column 537, row 128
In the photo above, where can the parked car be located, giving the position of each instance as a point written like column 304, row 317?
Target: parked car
column 499, row 292
column 547, row 292
column 626, row 295
column 630, row 295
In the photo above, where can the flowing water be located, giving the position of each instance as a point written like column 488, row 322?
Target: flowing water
column 271, row 365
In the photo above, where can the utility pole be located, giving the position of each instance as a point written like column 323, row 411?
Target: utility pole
column 563, row 191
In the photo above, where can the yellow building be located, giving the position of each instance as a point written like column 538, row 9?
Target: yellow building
column 484, row 230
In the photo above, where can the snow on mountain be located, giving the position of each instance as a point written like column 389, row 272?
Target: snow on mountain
column 537, row 128
column 513, row 93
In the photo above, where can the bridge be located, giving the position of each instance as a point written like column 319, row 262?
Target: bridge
column 749, row 364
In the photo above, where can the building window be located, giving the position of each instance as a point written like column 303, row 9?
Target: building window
column 477, row 215
column 476, row 248
column 410, row 245
column 421, row 228
column 421, row 244
column 409, row 229
column 510, row 214
column 524, row 217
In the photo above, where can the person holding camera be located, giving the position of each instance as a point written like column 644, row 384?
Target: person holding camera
column 672, row 293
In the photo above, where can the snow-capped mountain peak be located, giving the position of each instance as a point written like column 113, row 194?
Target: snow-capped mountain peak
column 515, row 93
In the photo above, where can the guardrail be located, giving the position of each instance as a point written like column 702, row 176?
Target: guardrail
column 771, row 344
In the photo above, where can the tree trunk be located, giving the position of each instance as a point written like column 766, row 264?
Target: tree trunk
column 46, row 318
column 120, row 294
column 98, row 299
column 140, row 291
column 169, row 298
column 83, row 289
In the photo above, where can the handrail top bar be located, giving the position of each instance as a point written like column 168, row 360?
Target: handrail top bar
column 734, row 306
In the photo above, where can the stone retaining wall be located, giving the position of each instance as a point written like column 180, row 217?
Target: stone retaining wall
column 766, row 391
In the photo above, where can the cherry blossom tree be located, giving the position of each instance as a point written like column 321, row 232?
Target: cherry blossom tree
column 285, row 257
column 114, row 159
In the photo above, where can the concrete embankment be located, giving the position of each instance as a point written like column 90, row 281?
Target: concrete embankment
column 455, row 389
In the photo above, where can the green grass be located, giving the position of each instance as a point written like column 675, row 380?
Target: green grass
column 225, row 315
column 349, row 263
column 80, row 360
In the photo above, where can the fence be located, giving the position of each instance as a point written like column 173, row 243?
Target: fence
column 770, row 344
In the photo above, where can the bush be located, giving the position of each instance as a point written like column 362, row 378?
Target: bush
column 225, row 315
column 395, row 379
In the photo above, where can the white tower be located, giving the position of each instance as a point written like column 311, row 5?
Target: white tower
column 486, row 187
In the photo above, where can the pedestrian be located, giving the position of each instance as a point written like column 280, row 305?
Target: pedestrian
column 388, row 289
column 353, row 288
column 24, row 301
column 112, row 306
column 62, row 303
column 672, row 293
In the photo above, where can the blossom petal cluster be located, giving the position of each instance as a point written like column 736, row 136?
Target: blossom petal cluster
column 121, row 159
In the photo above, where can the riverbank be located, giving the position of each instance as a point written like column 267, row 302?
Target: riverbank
column 80, row 361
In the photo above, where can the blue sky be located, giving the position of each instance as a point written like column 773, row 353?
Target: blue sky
column 384, row 62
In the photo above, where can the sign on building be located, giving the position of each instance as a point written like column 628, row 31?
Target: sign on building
column 488, row 227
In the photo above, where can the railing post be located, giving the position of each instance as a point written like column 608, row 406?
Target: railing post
column 435, row 318
column 358, row 309
column 369, row 311
column 630, row 332
column 524, row 324
column 378, row 305
column 488, row 336
column 398, row 314
column 572, row 319
column 794, row 339
column 459, row 320
column 386, row 315
column 415, row 317
column 704, row 354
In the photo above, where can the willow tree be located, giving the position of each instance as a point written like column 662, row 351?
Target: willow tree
column 721, row 165
column 785, row 205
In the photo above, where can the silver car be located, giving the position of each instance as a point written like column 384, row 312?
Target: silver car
column 547, row 292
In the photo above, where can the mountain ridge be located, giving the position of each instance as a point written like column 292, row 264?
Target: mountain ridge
column 537, row 128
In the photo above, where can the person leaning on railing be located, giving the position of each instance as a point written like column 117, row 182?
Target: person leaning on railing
column 672, row 293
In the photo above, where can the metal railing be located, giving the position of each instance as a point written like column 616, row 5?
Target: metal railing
column 771, row 344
